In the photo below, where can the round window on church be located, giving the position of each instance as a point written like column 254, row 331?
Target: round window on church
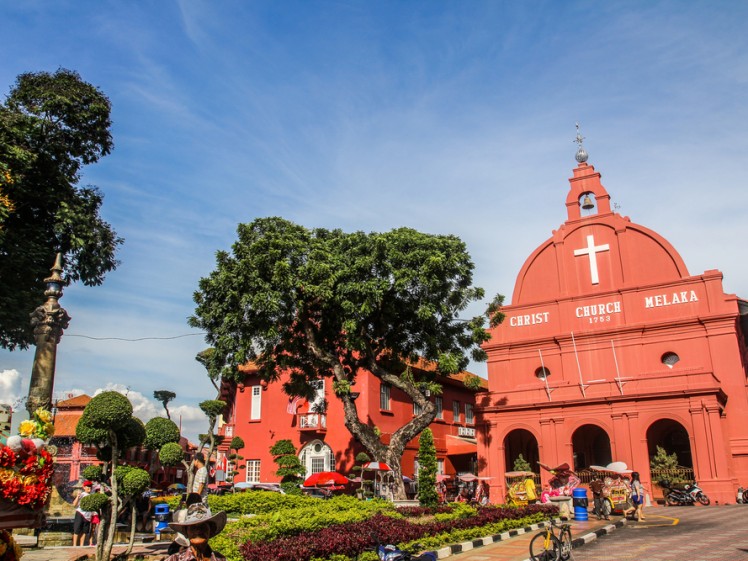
column 670, row 359
column 542, row 373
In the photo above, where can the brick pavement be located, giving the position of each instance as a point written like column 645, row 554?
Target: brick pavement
column 715, row 533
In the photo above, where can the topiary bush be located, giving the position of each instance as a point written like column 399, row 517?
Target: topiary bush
column 171, row 454
column 160, row 431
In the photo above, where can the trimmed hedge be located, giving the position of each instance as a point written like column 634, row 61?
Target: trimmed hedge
column 304, row 529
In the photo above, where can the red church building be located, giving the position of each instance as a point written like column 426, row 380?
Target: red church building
column 262, row 414
column 610, row 348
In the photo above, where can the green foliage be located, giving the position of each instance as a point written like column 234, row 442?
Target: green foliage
column 135, row 482
column 160, row 431
column 237, row 443
column 520, row 464
column 427, row 495
column 303, row 514
column 164, row 396
column 663, row 460
column 171, row 454
column 93, row 473
column 212, row 407
column 94, row 502
column 290, row 469
column 282, row 448
column 131, row 434
column 473, row 382
column 357, row 295
column 51, row 125
column 108, row 410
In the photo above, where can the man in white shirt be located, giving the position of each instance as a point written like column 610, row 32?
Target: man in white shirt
column 200, row 483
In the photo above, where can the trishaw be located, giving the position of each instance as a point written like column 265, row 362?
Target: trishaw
column 518, row 484
column 616, row 488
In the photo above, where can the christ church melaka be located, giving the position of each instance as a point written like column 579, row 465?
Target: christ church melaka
column 611, row 348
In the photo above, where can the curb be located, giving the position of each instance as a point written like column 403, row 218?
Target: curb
column 480, row 542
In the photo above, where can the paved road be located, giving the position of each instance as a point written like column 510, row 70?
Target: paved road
column 676, row 534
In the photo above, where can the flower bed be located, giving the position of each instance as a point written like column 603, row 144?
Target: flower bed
column 345, row 528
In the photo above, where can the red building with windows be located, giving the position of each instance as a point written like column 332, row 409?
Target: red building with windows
column 261, row 414
column 611, row 348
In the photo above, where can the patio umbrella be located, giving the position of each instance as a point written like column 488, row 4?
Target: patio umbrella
column 377, row 466
column 441, row 477
column 325, row 478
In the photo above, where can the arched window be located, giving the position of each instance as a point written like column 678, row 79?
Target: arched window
column 542, row 373
column 316, row 457
column 670, row 359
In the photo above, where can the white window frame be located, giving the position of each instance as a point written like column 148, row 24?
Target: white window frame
column 469, row 417
column 440, row 466
column 255, row 413
column 417, row 410
column 317, row 454
column 253, row 471
column 439, row 402
column 384, row 397
column 456, row 411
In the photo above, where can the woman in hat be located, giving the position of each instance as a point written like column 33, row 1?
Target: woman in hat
column 198, row 527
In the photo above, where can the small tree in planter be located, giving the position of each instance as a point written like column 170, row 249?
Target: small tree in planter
column 427, row 465
column 290, row 469
column 666, row 465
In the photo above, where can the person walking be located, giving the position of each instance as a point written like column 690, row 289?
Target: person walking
column 596, row 486
column 637, row 498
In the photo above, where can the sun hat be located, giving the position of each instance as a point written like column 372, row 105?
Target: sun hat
column 197, row 515
column 87, row 483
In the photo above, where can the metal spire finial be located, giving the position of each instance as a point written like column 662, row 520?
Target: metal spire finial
column 581, row 155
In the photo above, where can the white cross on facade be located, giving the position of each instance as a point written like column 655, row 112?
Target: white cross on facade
column 592, row 250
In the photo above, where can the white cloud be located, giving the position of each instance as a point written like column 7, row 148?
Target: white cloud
column 12, row 388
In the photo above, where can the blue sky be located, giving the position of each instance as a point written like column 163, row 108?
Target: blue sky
column 448, row 117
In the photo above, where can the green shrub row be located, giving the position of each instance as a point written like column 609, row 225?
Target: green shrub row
column 311, row 515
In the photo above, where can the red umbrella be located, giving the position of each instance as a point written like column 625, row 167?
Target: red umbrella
column 325, row 478
column 377, row 466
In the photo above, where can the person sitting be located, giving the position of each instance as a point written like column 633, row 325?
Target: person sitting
column 198, row 527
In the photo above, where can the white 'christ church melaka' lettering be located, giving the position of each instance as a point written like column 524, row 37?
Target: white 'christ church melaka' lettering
column 529, row 319
column 660, row 300
column 604, row 308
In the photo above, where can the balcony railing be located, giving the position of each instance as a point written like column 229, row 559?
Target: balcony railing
column 312, row 421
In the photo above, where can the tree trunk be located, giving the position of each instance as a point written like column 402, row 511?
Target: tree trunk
column 106, row 552
column 133, row 518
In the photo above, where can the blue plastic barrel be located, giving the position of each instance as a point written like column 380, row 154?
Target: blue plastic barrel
column 579, row 496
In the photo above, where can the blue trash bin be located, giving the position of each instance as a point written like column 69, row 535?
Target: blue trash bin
column 161, row 515
column 579, row 496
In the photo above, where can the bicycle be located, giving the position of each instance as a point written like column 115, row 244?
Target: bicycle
column 548, row 546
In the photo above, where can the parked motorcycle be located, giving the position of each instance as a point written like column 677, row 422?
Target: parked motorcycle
column 688, row 495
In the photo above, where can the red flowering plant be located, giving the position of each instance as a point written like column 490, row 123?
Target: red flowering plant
column 26, row 467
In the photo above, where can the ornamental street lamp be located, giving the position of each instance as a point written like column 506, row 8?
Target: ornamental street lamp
column 48, row 320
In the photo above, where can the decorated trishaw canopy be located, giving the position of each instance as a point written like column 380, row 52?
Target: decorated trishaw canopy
column 615, row 467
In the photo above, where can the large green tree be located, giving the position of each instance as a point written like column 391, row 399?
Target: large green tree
column 324, row 303
column 51, row 125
